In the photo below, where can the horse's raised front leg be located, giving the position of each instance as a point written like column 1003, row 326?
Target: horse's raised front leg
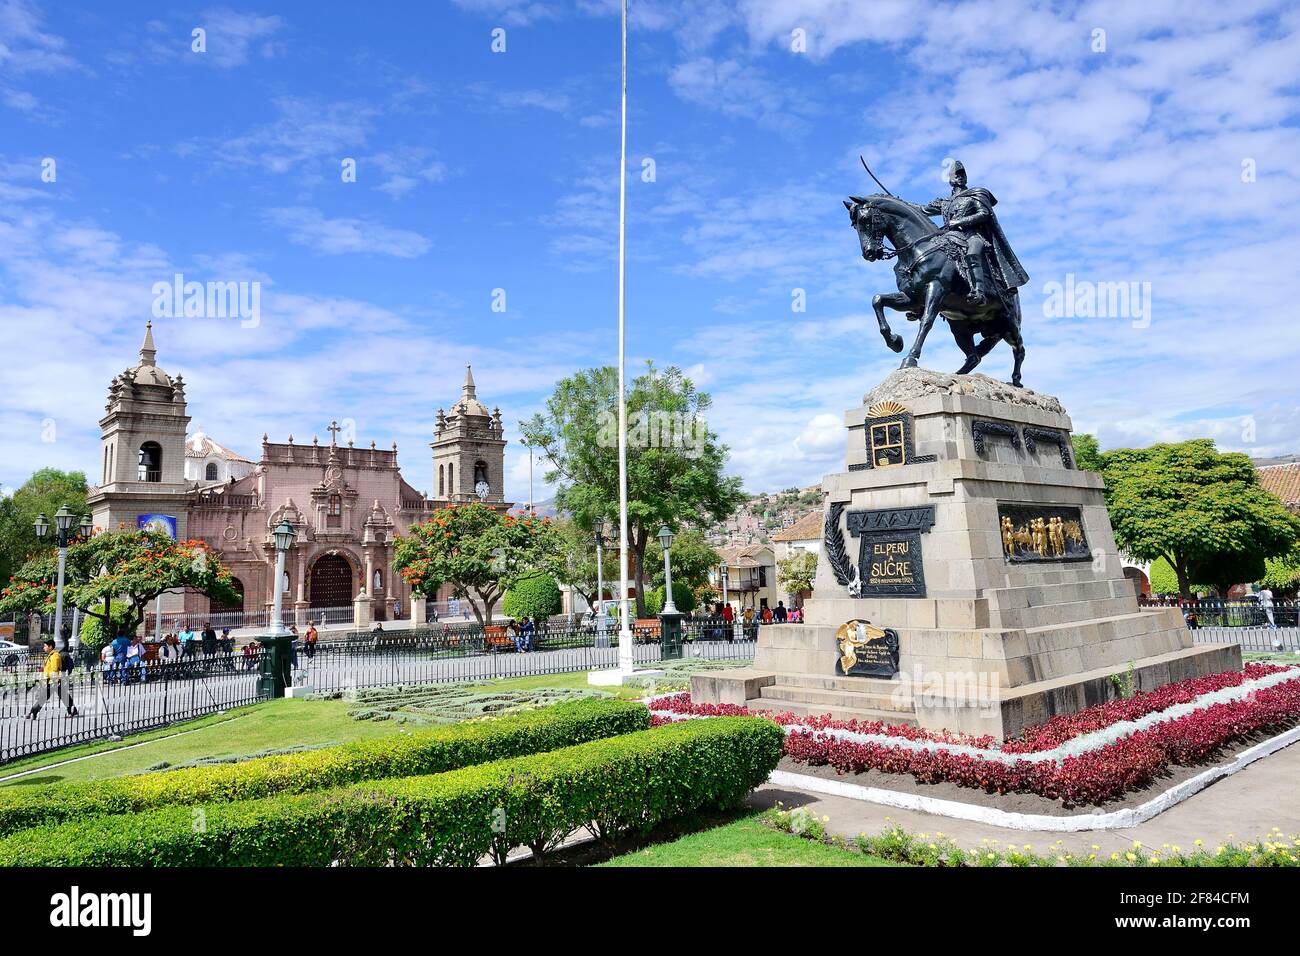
column 933, row 298
column 897, row 301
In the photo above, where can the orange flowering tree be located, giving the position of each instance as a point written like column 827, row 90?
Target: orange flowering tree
column 130, row 567
column 479, row 551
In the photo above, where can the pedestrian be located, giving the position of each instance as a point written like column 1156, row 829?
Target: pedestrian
column 135, row 658
column 1265, row 597
column 165, row 650
column 250, row 655
column 529, row 632
column 227, row 642
column 119, row 648
column 727, row 614
column 56, row 682
column 767, row 615
column 781, row 614
column 309, row 641
column 209, row 639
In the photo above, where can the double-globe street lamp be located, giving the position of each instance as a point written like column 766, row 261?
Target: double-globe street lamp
column 285, row 535
column 63, row 535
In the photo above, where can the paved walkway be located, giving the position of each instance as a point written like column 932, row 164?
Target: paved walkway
column 1239, row 809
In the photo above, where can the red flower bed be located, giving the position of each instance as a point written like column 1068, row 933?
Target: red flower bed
column 1092, row 777
column 1068, row 726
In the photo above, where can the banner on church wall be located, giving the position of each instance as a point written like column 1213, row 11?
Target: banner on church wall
column 163, row 523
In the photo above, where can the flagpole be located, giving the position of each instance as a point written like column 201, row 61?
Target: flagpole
column 625, row 662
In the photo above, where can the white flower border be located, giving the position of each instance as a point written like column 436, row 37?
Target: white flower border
column 1085, row 743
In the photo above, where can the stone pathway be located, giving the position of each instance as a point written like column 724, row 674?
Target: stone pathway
column 1240, row 809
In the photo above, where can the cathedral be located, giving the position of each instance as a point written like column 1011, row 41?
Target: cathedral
column 346, row 503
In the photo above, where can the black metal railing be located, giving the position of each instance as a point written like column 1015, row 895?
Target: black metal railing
column 1239, row 613
column 114, row 699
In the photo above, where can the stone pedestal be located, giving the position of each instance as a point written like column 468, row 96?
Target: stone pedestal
column 419, row 610
column 361, row 617
column 962, row 525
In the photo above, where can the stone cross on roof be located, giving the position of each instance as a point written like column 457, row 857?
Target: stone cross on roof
column 334, row 430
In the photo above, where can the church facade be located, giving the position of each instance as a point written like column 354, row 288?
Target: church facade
column 346, row 503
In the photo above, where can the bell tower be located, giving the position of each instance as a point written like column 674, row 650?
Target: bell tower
column 142, row 446
column 469, row 451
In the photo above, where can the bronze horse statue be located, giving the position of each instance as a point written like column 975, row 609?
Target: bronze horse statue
column 930, row 283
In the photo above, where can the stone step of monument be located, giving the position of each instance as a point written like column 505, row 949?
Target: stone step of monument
column 1038, row 595
column 862, row 685
column 837, row 699
column 804, row 709
column 1065, row 613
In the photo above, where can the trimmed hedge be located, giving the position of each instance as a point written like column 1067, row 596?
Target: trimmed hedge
column 614, row 786
column 401, row 755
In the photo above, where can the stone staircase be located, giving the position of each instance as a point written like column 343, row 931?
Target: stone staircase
column 845, row 698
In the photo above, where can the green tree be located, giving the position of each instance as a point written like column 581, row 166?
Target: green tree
column 683, row 599
column 795, row 572
column 1282, row 573
column 44, row 492
column 133, row 567
column 577, row 564
column 1202, row 510
column 1087, row 453
column 674, row 462
column 536, row 596
column 479, row 551
column 692, row 559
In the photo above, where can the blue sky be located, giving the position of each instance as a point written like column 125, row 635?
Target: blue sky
column 479, row 170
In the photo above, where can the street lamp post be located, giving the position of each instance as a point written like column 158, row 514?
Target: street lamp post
column 275, row 676
column 723, row 567
column 62, row 538
column 284, row 538
column 665, row 537
column 598, row 526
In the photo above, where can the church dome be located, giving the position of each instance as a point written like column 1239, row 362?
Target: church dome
column 469, row 405
column 147, row 372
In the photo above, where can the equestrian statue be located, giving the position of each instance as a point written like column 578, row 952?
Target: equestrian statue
column 963, row 270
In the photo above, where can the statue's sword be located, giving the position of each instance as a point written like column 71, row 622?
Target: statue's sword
column 873, row 175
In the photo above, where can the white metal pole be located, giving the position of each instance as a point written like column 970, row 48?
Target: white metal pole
column 532, row 503
column 625, row 623
column 669, row 606
column 600, row 595
column 157, row 617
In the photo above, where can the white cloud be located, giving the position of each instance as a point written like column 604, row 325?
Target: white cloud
column 311, row 228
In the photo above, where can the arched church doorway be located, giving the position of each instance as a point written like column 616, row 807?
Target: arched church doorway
column 330, row 582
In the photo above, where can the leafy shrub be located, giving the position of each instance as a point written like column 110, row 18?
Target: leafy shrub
column 537, row 597
column 418, row 752
column 611, row 787
column 95, row 633
column 683, row 597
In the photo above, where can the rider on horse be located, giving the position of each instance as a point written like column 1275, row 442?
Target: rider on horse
column 968, row 217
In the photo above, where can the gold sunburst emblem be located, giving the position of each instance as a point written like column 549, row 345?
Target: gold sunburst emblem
column 881, row 409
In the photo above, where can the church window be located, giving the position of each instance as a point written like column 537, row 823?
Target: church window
column 480, row 472
column 334, row 512
column 104, row 480
column 451, row 481
column 211, row 473
column 150, row 466
column 442, row 487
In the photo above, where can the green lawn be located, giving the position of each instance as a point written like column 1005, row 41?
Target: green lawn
column 746, row 842
column 272, row 725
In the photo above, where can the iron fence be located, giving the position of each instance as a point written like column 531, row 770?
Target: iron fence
column 1260, row 639
column 37, row 713
column 1242, row 613
column 114, row 699
column 434, row 656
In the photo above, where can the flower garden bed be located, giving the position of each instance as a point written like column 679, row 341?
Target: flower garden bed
column 1096, row 756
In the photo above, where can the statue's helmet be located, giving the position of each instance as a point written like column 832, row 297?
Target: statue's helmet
column 957, row 174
